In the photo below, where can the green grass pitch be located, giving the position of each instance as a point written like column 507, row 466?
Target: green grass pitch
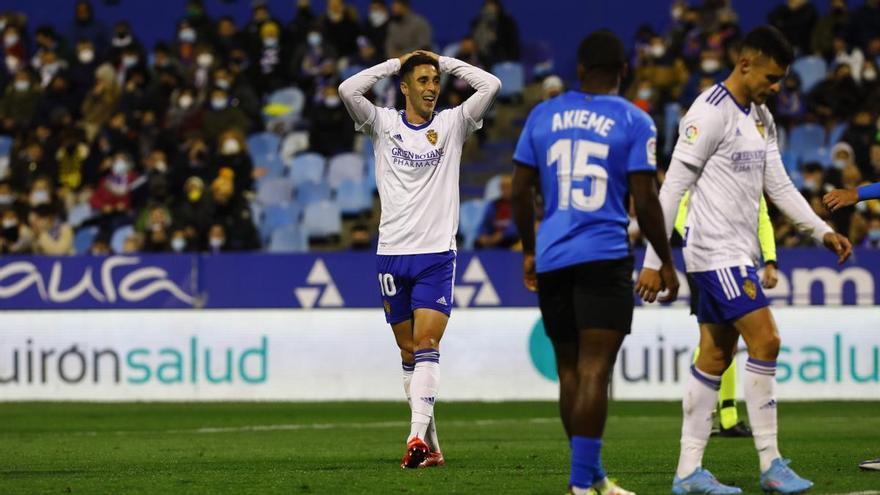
column 337, row 448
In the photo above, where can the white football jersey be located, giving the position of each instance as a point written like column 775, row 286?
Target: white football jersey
column 732, row 156
column 417, row 171
column 417, row 166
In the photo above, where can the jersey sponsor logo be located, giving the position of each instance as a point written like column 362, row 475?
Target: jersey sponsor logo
column 750, row 289
column 651, row 150
column 476, row 288
column 432, row 136
column 320, row 290
column 690, row 134
column 416, row 160
column 743, row 161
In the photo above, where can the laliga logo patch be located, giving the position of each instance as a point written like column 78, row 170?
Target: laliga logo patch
column 750, row 289
column 432, row 136
column 690, row 133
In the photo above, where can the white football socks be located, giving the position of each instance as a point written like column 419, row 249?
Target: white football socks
column 423, row 388
column 760, row 393
column 701, row 395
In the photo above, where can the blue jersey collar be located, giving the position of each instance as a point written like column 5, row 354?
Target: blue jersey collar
column 744, row 110
column 416, row 127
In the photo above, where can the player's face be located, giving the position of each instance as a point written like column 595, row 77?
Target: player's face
column 422, row 88
column 764, row 78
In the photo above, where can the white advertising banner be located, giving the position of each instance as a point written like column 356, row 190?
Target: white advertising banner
column 486, row 354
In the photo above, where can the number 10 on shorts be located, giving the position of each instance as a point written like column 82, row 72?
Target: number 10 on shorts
column 386, row 284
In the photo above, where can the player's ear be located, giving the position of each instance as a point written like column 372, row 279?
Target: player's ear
column 404, row 88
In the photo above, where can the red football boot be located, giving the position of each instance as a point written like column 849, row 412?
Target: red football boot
column 434, row 459
column 416, row 452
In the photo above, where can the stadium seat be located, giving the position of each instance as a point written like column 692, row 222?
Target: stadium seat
column 312, row 192
column 263, row 144
column 537, row 58
column 285, row 106
column 322, row 219
column 274, row 191
column 272, row 164
column 288, row 239
column 350, row 71
column 83, row 239
column 275, row 216
column 836, row 133
column 294, row 143
column 493, row 189
column 345, row 166
column 307, row 167
column 79, row 214
column 512, row 78
column 117, row 240
column 671, row 118
column 820, row 155
column 470, row 215
column 370, row 179
column 811, row 69
column 5, row 145
column 353, row 198
column 806, row 137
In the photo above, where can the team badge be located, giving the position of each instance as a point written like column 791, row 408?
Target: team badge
column 690, row 133
column 750, row 289
column 760, row 126
column 387, row 306
column 432, row 136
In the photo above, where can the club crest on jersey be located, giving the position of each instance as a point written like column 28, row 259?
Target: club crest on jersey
column 750, row 289
column 690, row 133
column 387, row 306
column 432, row 136
column 760, row 126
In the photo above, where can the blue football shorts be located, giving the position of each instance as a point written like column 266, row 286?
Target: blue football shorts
column 413, row 281
column 728, row 294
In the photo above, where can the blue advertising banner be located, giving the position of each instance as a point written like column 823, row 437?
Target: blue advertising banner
column 349, row 280
column 85, row 282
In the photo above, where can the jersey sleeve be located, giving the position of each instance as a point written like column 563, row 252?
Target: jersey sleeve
column 643, row 148
column 699, row 134
column 525, row 148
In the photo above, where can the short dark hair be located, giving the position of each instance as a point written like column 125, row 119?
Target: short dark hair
column 416, row 60
column 602, row 51
column 771, row 42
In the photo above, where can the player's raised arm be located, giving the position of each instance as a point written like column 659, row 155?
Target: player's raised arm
column 485, row 84
column 352, row 90
column 789, row 200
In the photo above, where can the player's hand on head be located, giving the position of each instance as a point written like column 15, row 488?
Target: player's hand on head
column 429, row 54
column 670, row 282
column 530, row 279
column 840, row 198
column 649, row 284
column 403, row 58
column 770, row 277
column 839, row 244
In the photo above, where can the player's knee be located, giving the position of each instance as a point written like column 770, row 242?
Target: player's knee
column 407, row 356
column 768, row 347
column 426, row 343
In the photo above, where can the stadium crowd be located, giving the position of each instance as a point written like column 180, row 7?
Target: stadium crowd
column 208, row 141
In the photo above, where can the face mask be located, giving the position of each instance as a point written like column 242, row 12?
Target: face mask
column 334, row 16
column 39, row 197
column 129, row 60
column 270, row 42
column 332, row 101
column 205, row 60
column 230, row 147
column 86, row 56
column 216, row 242
column 657, row 51
column 12, row 63
column 2, row 24
column 869, row 75
column 9, row 223
column 840, row 163
column 222, row 83
column 645, row 93
column 185, row 101
column 121, row 41
column 874, row 235
column 677, row 12
column 10, row 39
column 218, row 103
column 6, row 199
column 378, row 17
column 120, row 167
column 22, row 86
column 160, row 167
column 178, row 244
column 187, row 35
column 314, row 39
column 194, row 195
column 811, row 184
column 710, row 65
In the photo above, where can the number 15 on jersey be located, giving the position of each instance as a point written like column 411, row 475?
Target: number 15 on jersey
column 568, row 171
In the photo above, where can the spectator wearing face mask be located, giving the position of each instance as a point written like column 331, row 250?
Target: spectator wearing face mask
column 100, row 103
column 872, row 237
column 271, row 58
column 200, row 72
column 82, row 68
column 232, row 153
column 86, row 27
column 185, row 45
column 199, row 19
column 711, row 67
column 495, row 33
column 231, row 211
column 331, row 131
column 123, row 42
column 113, row 196
column 186, row 113
column 313, row 63
column 375, row 26
column 19, row 103
column 664, row 69
column 260, row 15
column 340, row 28
column 52, row 236
column 303, row 20
column 407, row 31
column 14, row 49
column 240, row 90
column 194, row 160
column 194, row 212
column 180, row 243
column 15, row 236
column 222, row 115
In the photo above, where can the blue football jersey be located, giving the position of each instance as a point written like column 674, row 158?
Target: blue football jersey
column 584, row 147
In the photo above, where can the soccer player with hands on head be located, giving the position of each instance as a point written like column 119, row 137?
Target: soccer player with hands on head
column 417, row 155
